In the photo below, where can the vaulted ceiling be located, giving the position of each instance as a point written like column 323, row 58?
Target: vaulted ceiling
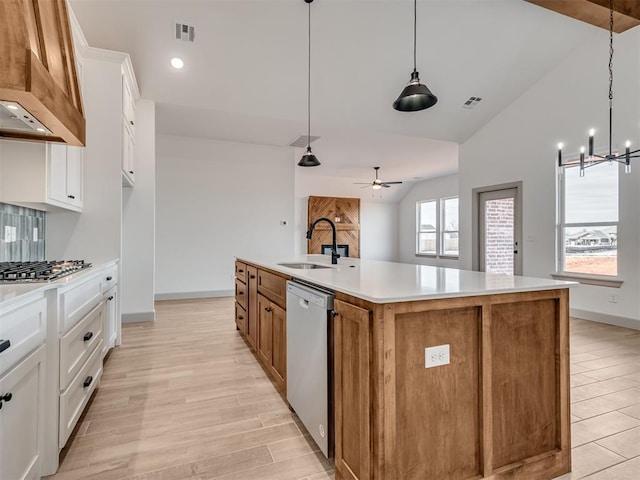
column 245, row 75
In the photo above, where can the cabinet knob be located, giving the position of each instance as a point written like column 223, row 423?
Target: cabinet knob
column 131, row 172
column 267, row 309
column 240, row 270
column 87, row 336
column 110, row 298
column 4, row 344
column 109, row 278
column 72, row 197
column 131, row 122
column 87, row 381
column 240, row 293
column 240, row 317
column 252, row 276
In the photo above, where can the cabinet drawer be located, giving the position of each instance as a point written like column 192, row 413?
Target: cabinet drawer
column 109, row 278
column 75, row 397
column 241, row 271
column 273, row 287
column 241, row 294
column 241, row 319
column 78, row 343
column 78, row 301
column 21, row 331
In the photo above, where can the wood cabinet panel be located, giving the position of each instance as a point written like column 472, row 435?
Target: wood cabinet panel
column 279, row 344
column 265, row 342
column 525, row 379
column 436, row 409
column 352, row 392
column 241, row 271
column 345, row 213
column 241, row 294
column 273, row 286
column 252, row 308
column 241, row 319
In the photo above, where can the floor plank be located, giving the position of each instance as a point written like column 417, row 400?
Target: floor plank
column 184, row 398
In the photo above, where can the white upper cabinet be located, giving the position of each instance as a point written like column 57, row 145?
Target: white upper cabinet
column 128, row 129
column 43, row 176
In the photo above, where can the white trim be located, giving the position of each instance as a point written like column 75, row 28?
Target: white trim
column 192, row 295
column 625, row 322
column 599, row 280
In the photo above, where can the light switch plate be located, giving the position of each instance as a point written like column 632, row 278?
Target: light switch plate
column 14, row 234
column 436, row 356
column 35, row 234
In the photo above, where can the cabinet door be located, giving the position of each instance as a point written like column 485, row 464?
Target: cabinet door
column 21, row 419
column 74, row 176
column 265, row 318
column 110, row 320
column 252, row 306
column 352, row 398
column 127, row 157
column 57, row 175
column 279, row 346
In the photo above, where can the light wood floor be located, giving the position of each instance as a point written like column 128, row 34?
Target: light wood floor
column 185, row 399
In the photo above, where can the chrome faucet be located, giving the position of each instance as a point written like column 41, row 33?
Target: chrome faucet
column 334, row 246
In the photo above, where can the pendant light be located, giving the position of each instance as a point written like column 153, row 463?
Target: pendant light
column 309, row 159
column 592, row 160
column 415, row 95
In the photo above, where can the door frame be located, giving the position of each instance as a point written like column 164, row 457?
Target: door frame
column 517, row 227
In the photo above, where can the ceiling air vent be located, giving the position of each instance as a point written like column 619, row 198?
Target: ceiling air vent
column 184, row 32
column 472, row 102
column 301, row 141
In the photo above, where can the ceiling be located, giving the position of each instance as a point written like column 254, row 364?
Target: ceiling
column 245, row 76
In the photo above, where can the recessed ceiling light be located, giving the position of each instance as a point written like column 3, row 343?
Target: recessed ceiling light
column 12, row 107
column 177, row 63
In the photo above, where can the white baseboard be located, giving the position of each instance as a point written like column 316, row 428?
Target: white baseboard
column 192, row 295
column 138, row 317
column 625, row 322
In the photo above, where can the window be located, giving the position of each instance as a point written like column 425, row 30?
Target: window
column 437, row 227
column 588, row 227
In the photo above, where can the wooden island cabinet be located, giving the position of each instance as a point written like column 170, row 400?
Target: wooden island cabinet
column 497, row 408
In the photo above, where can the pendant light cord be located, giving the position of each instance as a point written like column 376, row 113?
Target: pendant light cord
column 415, row 28
column 309, row 87
column 610, row 75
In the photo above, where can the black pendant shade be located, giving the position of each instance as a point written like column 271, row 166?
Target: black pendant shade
column 415, row 96
column 308, row 159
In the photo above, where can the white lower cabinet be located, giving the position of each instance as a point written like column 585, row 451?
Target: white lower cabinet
column 75, row 397
column 21, row 418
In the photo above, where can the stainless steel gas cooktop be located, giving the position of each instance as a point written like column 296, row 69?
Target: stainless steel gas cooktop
column 46, row 271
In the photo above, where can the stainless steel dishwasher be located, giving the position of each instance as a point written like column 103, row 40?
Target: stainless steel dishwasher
column 308, row 360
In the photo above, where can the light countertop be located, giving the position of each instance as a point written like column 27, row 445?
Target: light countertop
column 13, row 291
column 386, row 282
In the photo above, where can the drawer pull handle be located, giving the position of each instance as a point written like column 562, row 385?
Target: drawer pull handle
column 240, row 270
column 131, row 172
column 4, row 344
column 110, row 298
column 87, row 381
column 267, row 309
column 87, row 336
column 72, row 197
column 109, row 278
column 6, row 397
column 240, row 317
column 240, row 293
column 252, row 276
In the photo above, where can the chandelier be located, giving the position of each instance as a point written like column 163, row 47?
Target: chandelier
column 593, row 159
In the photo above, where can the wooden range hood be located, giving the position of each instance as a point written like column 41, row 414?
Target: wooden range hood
column 38, row 71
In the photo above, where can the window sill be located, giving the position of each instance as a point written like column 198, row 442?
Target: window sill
column 599, row 280
column 433, row 255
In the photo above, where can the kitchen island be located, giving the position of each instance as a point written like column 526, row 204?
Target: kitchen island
column 499, row 409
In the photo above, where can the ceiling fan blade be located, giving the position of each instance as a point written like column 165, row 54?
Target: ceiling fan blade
column 391, row 183
column 385, row 185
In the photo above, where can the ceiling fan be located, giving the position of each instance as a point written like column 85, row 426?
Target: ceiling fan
column 377, row 183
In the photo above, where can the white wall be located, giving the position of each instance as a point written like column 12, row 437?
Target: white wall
column 216, row 200
column 378, row 213
column 434, row 189
column 94, row 235
column 138, row 223
column 520, row 144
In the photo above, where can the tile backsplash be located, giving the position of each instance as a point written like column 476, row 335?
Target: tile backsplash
column 21, row 234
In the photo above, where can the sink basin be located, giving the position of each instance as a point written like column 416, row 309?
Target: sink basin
column 303, row 266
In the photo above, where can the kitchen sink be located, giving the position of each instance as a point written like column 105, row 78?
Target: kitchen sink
column 303, row 266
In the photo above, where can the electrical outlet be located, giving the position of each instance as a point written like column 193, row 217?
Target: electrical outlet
column 436, row 356
column 613, row 298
